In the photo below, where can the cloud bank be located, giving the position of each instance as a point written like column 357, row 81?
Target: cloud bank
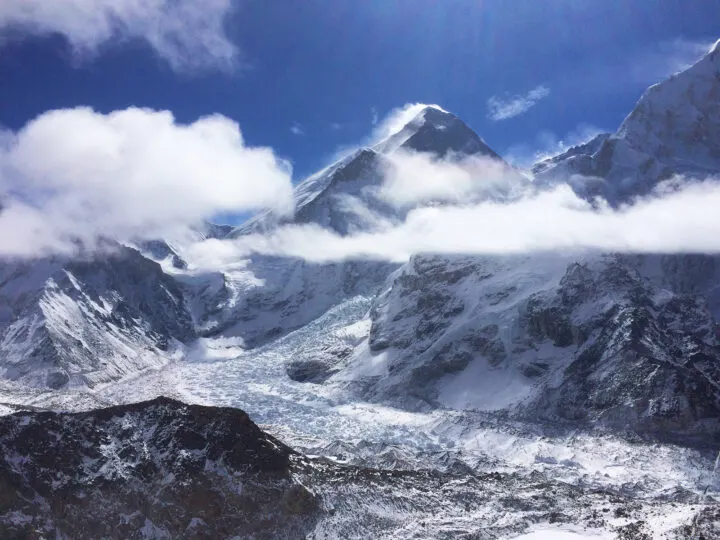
column 503, row 109
column 188, row 34
column 682, row 220
column 74, row 177
column 412, row 179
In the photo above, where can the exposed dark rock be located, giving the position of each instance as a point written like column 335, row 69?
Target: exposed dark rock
column 172, row 470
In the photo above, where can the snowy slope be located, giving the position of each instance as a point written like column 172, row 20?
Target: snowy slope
column 613, row 341
column 82, row 322
column 673, row 129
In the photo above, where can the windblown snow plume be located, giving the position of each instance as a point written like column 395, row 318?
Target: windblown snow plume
column 74, row 176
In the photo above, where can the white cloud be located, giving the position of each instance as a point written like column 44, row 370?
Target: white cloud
column 412, row 179
column 188, row 34
column 77, row 176
column 672, row 221
column 502, row 109
column 296, row 129
column 547, row 144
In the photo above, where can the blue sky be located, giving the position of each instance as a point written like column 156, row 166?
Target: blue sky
column 310, row 77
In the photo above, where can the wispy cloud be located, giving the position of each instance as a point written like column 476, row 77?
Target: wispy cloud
column 131, row 174
column 504, row 108
column 666, row 58
column 373, row 115
column 188, row 34
column 335, row 126
column 296, row 129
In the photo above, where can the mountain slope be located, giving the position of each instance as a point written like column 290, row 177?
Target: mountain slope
column 613, row 341
column 673, row 129
column 161, row 469
column 158, row 469
column 81, row 322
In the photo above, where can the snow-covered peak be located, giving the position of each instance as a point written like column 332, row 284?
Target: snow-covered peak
column 673, row 129
column 436, row 131
column 678, row 117
column 345, row 196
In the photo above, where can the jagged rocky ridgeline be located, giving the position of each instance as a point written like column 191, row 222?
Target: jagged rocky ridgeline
column 674, row 129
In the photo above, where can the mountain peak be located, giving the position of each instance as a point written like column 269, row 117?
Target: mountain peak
column 672, row 130
column 436, row 131
column 344, row 198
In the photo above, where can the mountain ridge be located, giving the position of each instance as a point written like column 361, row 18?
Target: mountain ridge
column 672, row 130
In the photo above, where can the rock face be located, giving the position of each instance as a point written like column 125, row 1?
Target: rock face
column 605, row 340
column 81, row 322
column 158, row 469
column 673, row 129
column 648, row 360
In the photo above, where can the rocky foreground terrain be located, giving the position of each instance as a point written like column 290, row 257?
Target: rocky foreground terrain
column 163, row 469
